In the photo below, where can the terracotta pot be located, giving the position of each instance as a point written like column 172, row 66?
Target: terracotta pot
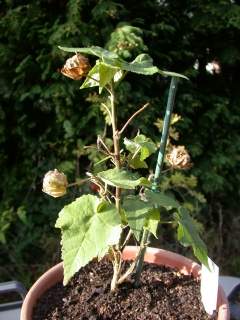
column 153, row 255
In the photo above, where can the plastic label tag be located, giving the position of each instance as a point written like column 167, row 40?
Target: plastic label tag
column 209, row 286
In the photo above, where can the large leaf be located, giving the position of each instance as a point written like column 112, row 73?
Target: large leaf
column 122, row 178
column 89, row 226
column 140, row 145
column 188, row 235
column 160, row 199
column 136, row 212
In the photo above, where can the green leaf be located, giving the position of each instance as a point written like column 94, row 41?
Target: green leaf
column 144, row 213
column 122, row 178
column 94, row 50
column 188, row 235
column 136, row 212
column 106, row 73
column 140, row 144
column 136, row 163
column 172, row 74
column 92, row 79
column 142, row 64
column 159, row 199
column 140, row 214
column 152, row 221
column 88, row 226
column 100, row 75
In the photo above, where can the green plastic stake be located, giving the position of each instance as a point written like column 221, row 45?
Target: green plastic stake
column 158, row 169
column 165, row 132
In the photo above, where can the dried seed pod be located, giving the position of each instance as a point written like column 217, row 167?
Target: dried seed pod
column 55, row 183
column 76, row 67
column 179, row 158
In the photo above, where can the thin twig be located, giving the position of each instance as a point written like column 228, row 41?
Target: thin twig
column 127, row 239
column 100, row 140
column 94, row 147
column 78, row 183
column 133, row 116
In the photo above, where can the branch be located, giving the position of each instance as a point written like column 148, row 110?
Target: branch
column 127, row 273
column 78, row 183
column 133, row 116
column 127, row 238
column 96, row 148
column 101, row 142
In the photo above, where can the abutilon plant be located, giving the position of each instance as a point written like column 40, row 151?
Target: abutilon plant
column 128, row 204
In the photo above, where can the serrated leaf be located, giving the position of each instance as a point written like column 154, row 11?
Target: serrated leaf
column 88, row 226
column 136, row 212
column 140, row 144
column 122, row 178
column 159, row 199
column 188, row 235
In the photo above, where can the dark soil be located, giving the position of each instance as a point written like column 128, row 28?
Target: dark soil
column 163, row 294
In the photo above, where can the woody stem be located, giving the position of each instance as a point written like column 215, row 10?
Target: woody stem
column 116, row 136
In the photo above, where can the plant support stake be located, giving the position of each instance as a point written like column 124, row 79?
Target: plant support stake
column 158, row 169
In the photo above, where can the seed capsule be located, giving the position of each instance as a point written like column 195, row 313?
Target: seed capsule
column 55, row 183
column 76, row 67
column 179, row 158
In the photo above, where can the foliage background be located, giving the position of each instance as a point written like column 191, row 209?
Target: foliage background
column 45, row 120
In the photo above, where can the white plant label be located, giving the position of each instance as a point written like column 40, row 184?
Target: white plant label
column 209, row 286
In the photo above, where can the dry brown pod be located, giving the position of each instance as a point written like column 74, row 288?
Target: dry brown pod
column 76, row 67
column 179, row 158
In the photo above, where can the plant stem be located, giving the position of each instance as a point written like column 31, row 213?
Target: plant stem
column 158, row 170
column 77, row 183
column 115, row 134
column 142, row 250
column 126, row 239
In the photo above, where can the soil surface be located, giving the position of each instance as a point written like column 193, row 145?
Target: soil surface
column 164, row 294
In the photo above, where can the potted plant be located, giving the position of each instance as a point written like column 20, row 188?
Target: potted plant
column 128, row 205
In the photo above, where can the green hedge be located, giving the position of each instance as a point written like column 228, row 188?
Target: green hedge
column 44, row 120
